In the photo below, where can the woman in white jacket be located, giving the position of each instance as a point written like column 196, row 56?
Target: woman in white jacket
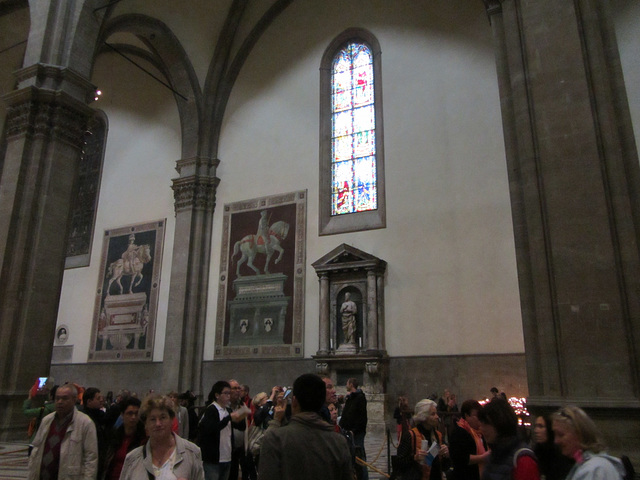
column 579, row 439
column 166, row 455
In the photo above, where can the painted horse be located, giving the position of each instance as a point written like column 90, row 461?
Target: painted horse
column 131, row 267
column 252, row 245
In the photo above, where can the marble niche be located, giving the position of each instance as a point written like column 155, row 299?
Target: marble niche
column 352, row 338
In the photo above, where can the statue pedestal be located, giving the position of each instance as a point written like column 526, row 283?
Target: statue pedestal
column 347, row 349
column 258, row 311
column 125, row 320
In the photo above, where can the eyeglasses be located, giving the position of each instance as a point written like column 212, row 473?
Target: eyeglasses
column 225, row 392
column 564, row 414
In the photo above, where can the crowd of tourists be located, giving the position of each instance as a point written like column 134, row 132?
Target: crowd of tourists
column 300, row 432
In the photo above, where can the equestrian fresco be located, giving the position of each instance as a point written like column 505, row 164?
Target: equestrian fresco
column 127, row 293
column 267, row 243
column 261, row 293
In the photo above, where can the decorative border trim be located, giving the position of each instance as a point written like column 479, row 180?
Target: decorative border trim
column 295, row 348
column 150, row 287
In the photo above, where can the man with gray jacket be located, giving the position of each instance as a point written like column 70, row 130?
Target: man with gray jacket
column 66, row 445
column 307, row 447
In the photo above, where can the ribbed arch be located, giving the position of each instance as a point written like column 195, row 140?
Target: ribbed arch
column 168, row 56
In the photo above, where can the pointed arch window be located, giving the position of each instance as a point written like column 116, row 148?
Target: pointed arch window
column 351, row 164
column 85, row 205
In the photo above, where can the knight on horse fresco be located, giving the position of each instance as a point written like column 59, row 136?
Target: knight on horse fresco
column 266, row 241
column 130, row 264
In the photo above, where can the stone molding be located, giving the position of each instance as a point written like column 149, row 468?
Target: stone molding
column 55, row 78
column 493, row 6
column 196, row 166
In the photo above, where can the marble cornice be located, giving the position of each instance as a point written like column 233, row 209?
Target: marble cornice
column 197, row 165
column 56, row 78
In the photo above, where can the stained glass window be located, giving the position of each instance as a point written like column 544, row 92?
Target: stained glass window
column 353, row 132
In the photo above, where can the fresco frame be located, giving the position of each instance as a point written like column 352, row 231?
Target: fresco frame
column 241, row 219
column 138, row 327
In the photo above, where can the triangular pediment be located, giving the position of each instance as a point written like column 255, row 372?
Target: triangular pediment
column 345, row 256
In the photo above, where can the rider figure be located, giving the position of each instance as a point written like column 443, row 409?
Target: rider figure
column 129, row 255
column 263, row 235
column 263, row 229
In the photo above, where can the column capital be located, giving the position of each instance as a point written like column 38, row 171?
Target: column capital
column 195, row 192
column 493, row 6
column 56, row 114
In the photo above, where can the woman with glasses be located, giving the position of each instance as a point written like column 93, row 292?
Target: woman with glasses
column 579, row 439
column 128, row 436
column 165, row 456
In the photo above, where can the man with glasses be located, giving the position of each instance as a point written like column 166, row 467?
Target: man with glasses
column 215, row 435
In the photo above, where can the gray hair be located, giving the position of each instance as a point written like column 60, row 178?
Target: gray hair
column 71, row 387
column 423, row 407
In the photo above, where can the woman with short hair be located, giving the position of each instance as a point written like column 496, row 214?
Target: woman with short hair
column 166, row 456
column 415, row 445
column 579, row 439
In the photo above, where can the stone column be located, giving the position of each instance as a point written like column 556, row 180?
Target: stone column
column 380, row 296
column 325, row 302
column 574, row 184
column 46, row 120
column 372, row 312
column 194, row 193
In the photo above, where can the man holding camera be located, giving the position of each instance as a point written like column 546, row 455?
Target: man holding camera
column 307, row 447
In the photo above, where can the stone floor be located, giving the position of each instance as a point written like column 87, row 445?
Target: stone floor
column 13, row 458
column 13, row 461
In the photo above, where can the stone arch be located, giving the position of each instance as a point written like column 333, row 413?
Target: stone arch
column 165, row 53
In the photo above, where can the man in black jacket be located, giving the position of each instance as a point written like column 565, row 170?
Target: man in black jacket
column 467, row 447
column 354, row 418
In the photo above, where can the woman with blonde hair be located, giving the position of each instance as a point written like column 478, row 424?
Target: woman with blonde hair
column 578, row 438
column 166, row 455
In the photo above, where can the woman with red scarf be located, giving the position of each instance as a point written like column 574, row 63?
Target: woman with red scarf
column 468, row 449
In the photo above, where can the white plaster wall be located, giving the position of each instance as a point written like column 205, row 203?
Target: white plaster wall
column 143, row 145
column 451, row 286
